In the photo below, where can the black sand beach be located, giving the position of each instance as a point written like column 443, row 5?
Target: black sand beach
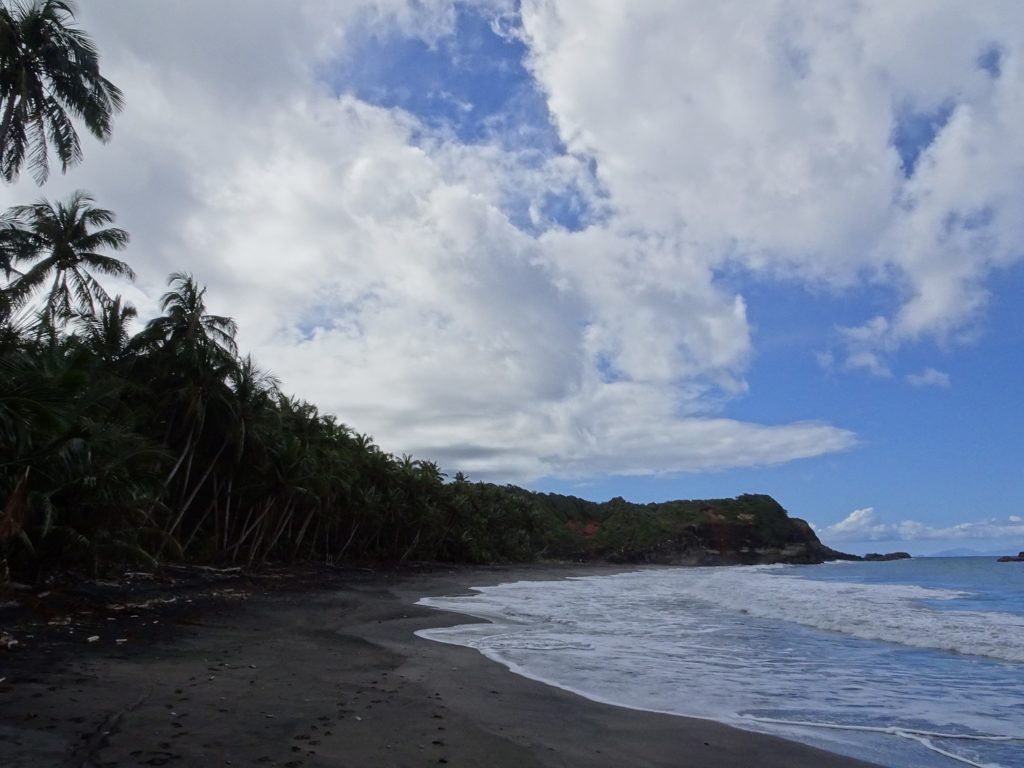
column 328, row 677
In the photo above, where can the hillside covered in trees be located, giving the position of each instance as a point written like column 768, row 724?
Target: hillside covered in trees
column 167, row 444
column 140, row 443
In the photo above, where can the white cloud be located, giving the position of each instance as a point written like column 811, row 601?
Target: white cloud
column 764, row 136
column 864, row 525
column 929, row 377
column 376, row 267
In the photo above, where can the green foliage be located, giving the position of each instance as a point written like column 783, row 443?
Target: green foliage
column 126, row 448
column 49, row 74
column 134, row 449
column 627, row 533
column 65, row 241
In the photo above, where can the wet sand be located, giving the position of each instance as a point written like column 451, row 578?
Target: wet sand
column 333, row 677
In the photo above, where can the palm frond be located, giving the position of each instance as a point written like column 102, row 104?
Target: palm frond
column 108, row 265
column 61, row 134
column 50, row 74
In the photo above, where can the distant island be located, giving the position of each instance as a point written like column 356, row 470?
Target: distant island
column 1018, row 558
column 874, row 556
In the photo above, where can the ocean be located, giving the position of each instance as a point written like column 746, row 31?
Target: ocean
column 912, row 663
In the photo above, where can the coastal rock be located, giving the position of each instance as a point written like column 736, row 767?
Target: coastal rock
column 1011, row 559
column 875, row 556
column 750, row 530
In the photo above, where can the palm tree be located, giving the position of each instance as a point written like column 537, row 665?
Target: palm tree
column 106, row 334
column 65, row 239
column 186, row 359
column 48, row 70
column 185, row 326
column 8, row 242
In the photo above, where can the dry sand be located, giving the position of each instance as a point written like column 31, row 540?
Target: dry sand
column 334, row 678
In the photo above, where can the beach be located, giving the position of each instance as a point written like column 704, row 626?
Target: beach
column 331, row 676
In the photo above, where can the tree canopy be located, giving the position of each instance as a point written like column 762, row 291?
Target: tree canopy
column 49, row 75
column 66, row 241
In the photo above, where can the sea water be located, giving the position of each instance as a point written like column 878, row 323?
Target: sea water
column 912, row 663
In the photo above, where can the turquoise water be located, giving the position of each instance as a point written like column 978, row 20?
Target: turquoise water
column 915, row 663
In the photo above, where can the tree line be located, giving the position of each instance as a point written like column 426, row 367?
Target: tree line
column 167, row 443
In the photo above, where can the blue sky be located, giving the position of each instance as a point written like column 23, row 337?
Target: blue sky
column 645, row 250
column 470, row 81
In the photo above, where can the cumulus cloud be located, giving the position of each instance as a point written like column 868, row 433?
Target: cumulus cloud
column 386, row 271
column 929, row 377
column 865, row 525
column 855, row 142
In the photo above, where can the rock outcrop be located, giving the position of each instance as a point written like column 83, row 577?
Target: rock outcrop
column 1011, row 559
column 749, row 530
column 874, row 556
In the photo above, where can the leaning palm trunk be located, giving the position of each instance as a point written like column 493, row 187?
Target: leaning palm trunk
column 247, row 529
column 195, row 531
column 415, row 542
column 232, row 549
column 348, row 542
column 286, row 519
column 170, row 476
column 192, row 496
column 227, row 517
column 302, row 533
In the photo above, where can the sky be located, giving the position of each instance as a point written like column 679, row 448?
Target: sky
column 659, row 249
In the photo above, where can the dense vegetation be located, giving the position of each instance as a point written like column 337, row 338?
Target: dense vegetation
column 127, row 443
column 167, row 443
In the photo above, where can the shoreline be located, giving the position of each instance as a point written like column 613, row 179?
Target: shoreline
column 336, row 677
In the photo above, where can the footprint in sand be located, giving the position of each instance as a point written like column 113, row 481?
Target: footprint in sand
column 160, row 758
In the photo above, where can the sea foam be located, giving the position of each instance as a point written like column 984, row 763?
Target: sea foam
column 895, row 613
column 895, row 672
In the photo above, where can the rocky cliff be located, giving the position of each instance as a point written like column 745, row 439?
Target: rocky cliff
column 750, row 529
column 726, row 543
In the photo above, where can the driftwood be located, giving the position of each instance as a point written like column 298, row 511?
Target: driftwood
column 205, row 572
